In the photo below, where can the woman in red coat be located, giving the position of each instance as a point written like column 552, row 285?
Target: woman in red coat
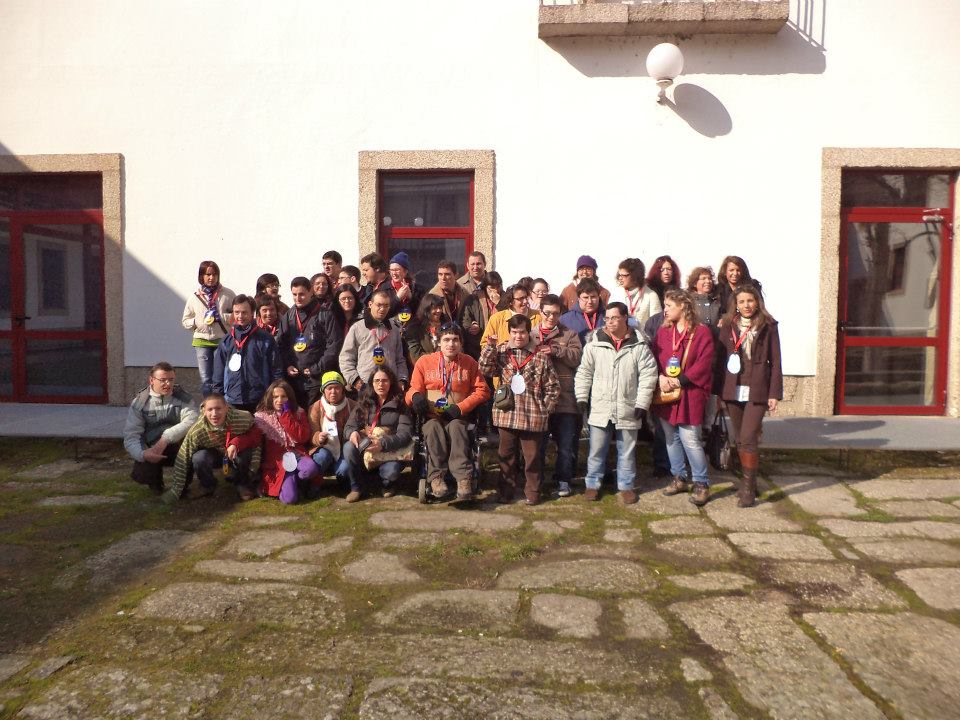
column 286, row 432
column 751, row 381
column 683, row 347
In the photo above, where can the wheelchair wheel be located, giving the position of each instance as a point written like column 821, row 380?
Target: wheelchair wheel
column 422, row 491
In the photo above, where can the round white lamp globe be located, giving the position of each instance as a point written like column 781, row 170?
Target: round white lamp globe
column 664, row 62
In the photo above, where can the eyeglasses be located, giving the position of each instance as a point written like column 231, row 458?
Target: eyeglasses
column 519, row 298
column 449, row 327
column 613, row 318
column 623, row 274
column 164, row 381
column 381, row 380
column 272, row 286
column 549, row 313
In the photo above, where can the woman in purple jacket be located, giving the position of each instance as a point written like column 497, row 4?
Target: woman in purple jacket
column 683, row 347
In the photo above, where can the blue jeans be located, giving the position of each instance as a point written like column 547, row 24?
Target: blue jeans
column 685, row 440
column 205, row 366
column 563, row 429
column 626, row 456
column 327, row 463
column 661, row 460
column 356, row 471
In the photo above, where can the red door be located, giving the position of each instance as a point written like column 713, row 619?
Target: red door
column 52, row 336
column 894, row 311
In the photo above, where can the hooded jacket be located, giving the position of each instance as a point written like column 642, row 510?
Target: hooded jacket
column 614, row 381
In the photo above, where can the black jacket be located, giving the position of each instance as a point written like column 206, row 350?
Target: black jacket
column 323, row 340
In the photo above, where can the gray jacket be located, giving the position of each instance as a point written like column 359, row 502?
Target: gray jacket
column 356, row 356
column 616, row 381
column 154, row 416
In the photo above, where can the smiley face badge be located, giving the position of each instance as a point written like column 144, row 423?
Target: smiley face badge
column 673, row 367
column 404, row 315
column 210, row 317
column 379, row 356
column 300, row 344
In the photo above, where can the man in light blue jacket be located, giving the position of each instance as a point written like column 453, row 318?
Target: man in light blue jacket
column 615, row 380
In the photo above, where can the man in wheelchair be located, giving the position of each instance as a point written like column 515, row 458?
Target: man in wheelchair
column 445, row 388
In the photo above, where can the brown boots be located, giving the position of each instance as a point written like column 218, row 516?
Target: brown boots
column 749, row 462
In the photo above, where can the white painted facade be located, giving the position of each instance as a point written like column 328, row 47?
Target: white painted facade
column 240, row 125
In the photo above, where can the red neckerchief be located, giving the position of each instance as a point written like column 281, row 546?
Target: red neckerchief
column 491, row 306
column 545, row 339
column 397, row 287
column 587, row 320
column 272, row 329
column 302, row 324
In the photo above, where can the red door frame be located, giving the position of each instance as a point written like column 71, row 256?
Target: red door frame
column 940, row 343
column 19, row 335
column 387, row 233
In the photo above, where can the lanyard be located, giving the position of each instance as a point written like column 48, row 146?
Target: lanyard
column 743, row 336
column 212, row 305
column 301, row 325
column 272, row 329
column 593, row 324
column 520, row 365
column 378, row 337
column 677, row 345
column 545, row 340
column 446, row 378
column 376, row 418
column 240, row 343
column 617, row 343
column 634, row 305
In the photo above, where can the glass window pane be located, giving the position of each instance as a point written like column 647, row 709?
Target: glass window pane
column 51, row 191
column 426, row 253
column 6, row 367
column 893, row 279
column 64, row 367
column 425, row 200
column 889, row 376
column 896, row 190
column 63, row 276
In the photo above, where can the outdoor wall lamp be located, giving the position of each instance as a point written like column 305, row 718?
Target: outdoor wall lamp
column 664, row 63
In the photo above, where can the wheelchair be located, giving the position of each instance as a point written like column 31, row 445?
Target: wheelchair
column 420, row 462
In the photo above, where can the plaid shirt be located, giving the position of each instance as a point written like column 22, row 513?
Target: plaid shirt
column 203, row 436
column 532, row 408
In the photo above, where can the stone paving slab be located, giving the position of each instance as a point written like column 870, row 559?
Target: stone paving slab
column 123, row 693
column 415, row 699
column 705, row 550
column 50, row 666
column 556, row 527
column 762, row 517
column 819, row 495
column 271, row 520
column 919, row 508
column 436, row 520
column 262, row 543
column 287, row 697
column 570, row 615
column 654, row 502
column 915, row 528
column 693, row 671
column 316, row 551
column 775, row 665
column 908, row 551
column 79, row 500
column 834, row 585
column 642, row 621
column 452, row 610
column 682, row 526
column 606, row 575
column 781, row 546
column 715, row 705
column 261, row 570
column 623, row 535
column 10, row 665
column 937, row 587
column 610, row 550
column 711, row 581
column 282, row 603
column 908, row 659
column 405, row 541
column 56, row 486
column 378, row 568
column 55, row 469
column 908, row 489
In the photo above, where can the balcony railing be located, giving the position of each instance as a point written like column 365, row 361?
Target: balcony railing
column 566, row 18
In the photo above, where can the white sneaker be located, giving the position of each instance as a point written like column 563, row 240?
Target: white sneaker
column 563, row 489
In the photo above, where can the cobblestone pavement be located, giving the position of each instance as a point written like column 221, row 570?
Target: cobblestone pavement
column 835, row 597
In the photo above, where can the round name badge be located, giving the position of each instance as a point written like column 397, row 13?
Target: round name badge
column 673, row 367
column 300, row 344
column 235, row 362
column 442, row 403
column 518, row 384
column 733, row 363
column 404, row 315
column 379, row 356
column 210, row 317
column 289, row 461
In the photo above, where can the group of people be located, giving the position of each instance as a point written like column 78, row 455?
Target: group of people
column 335, row 383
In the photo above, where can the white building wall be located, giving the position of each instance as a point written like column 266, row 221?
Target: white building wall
column 240, row 124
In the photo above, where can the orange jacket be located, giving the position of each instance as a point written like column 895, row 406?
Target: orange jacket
column 467, row 385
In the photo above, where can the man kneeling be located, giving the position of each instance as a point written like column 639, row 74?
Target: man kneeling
column 222, row 436
column 445, row 388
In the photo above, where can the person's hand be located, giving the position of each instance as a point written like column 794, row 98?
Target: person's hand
column 355, row 438
column 375, row 445
column 772, row 405
column 319, row 438
column 306, row 371
column 674, row 383
column 582, row 406
column 403, row 294
column 453, row 411
column 358, row 384
column 491, row 340
column 152, row 456
column 474, row 328
column 640, row 414
column 420, row 405
column 292, row 371
column 545, row 350
column 665, row 384
column 232, row 452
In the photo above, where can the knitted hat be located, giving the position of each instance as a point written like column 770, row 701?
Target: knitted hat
column 401, row 259
column 586, row 261
column 331, row 377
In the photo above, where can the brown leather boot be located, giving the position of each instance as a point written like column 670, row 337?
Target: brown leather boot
column 749, row 462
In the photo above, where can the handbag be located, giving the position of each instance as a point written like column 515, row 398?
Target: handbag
column 503, row 397
column 672, row 396
column 719, row 448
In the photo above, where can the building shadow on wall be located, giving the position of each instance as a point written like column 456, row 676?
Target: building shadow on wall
column 798, row 48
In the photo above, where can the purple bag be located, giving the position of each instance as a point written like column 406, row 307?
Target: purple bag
column 289, row 490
